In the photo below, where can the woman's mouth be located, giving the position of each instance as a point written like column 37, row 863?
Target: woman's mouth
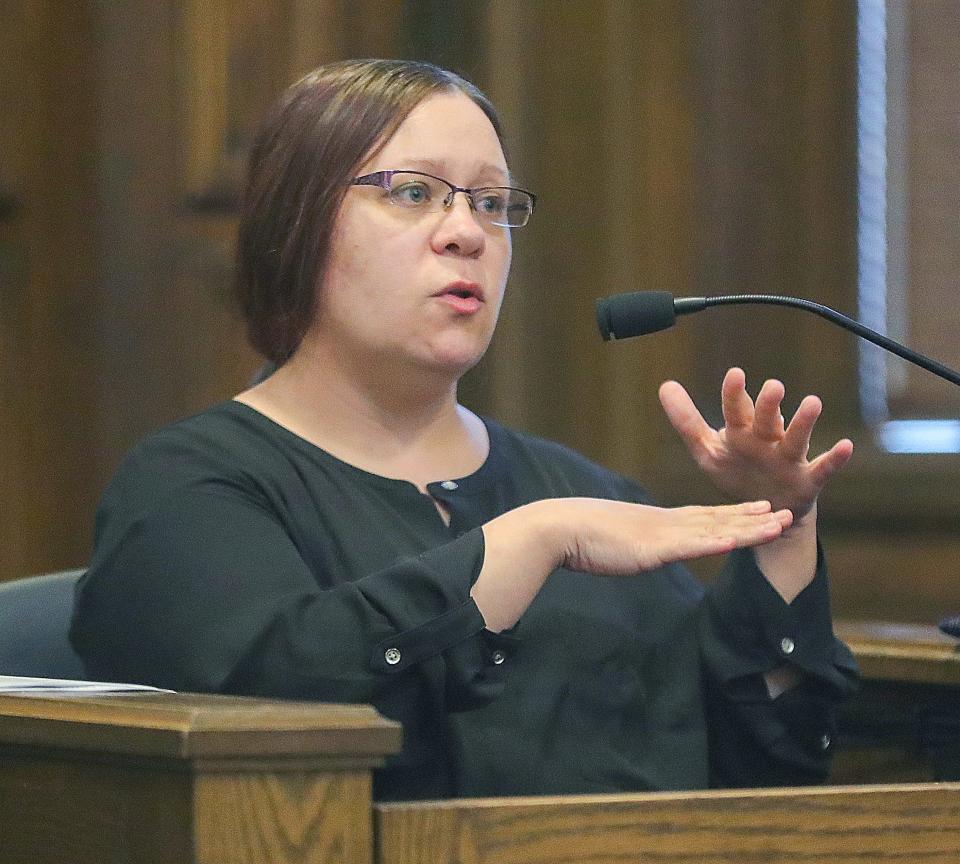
column 464, row 298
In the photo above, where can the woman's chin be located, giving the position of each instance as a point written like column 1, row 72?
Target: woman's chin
column 457, row 356
column 455, row 365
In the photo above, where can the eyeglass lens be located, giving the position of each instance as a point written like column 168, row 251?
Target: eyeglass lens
column 499, row 205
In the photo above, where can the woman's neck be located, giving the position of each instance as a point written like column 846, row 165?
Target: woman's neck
column 386, row 425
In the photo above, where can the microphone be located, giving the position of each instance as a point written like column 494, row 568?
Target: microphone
column 624, row 316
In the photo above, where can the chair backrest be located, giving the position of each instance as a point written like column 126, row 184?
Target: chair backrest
column 34, row 623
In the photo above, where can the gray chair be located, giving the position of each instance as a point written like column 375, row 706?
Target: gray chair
column 34, row 622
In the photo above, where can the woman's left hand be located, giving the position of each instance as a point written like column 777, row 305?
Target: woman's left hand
column 755, row 455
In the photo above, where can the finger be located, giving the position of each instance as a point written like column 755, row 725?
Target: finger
column 716, row 512
column 827, row 464
column 767, row 528
column 730, row 519
column 684, row 415
column 785, row 517
column 718, row 535
column 796, row 440
column 749, row 515
column 767, row 418
column 752, row 532
column 736, row 402
column 753, row 507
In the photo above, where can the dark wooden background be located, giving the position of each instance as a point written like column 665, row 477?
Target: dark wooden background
column 696, row 146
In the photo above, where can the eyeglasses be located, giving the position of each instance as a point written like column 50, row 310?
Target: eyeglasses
column 504, row 206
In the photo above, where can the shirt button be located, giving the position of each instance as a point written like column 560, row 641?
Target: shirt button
column 392, row 656
column 787, row 645
column 498, row 657
column 449, row 485
column 825, row 742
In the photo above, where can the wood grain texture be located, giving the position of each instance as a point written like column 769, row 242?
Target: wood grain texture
column 47, row 285
column 932, row 169
column 902, row 652
column 898, row 727
column 59, row 810
column 918, row 824
column 293, row 817
column 168, row 778
column 893, row 574
column 190, row 726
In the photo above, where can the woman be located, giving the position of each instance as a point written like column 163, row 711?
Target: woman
column 347, row 531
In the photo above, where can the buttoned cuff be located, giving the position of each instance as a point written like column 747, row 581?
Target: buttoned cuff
column 756, row 630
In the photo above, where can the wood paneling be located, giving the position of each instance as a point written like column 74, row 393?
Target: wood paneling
column 48, row 313
column 932, row 159
column 894, row 575
column 128, row 134
column 693, row 147
column 776, row 196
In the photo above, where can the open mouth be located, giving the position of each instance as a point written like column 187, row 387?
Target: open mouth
column 464, row 298
column 463, row 291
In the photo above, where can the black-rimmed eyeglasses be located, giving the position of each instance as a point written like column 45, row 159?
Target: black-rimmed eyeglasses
column 504, row 206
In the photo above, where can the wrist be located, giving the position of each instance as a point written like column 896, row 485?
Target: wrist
column 789, row 563
column 520, row 550
column 803, row 527
column 543, row 527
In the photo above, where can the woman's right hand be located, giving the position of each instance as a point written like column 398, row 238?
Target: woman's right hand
column 615, row 538
column 606, row 538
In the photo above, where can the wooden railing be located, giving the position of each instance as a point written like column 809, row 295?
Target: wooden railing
column 919, row 824
column 887, row 651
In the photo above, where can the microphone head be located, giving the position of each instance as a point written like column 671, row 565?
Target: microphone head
column 624, row 315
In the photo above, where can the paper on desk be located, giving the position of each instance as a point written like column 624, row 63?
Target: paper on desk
column 19, row 684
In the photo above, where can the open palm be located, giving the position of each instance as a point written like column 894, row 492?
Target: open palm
column 756, row 455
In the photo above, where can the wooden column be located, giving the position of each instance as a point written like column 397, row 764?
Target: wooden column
column 193, row 779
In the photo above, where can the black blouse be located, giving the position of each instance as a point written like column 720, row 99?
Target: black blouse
column 233, row 556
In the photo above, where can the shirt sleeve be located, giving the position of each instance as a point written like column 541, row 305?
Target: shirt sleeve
column 207, row 592
column 747, row 629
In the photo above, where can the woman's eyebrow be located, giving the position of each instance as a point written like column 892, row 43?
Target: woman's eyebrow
column 432, row 166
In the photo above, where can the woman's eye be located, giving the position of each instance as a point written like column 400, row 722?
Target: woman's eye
column 411, row 194
column 492, row 203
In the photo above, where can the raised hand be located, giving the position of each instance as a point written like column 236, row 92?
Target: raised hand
column 756, row 455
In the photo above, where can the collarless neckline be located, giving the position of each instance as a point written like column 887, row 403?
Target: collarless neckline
column 473, row 482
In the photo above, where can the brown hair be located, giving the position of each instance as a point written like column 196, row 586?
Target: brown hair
column 301, row 164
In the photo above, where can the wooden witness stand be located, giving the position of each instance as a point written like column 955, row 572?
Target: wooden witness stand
column 173, row 778
column 149, row 778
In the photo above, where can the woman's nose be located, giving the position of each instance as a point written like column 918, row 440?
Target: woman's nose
column 460, row 228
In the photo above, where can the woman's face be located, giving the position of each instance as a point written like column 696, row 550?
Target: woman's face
column 391, row 295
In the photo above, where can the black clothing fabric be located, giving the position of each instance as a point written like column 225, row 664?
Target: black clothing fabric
column 233, row 556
